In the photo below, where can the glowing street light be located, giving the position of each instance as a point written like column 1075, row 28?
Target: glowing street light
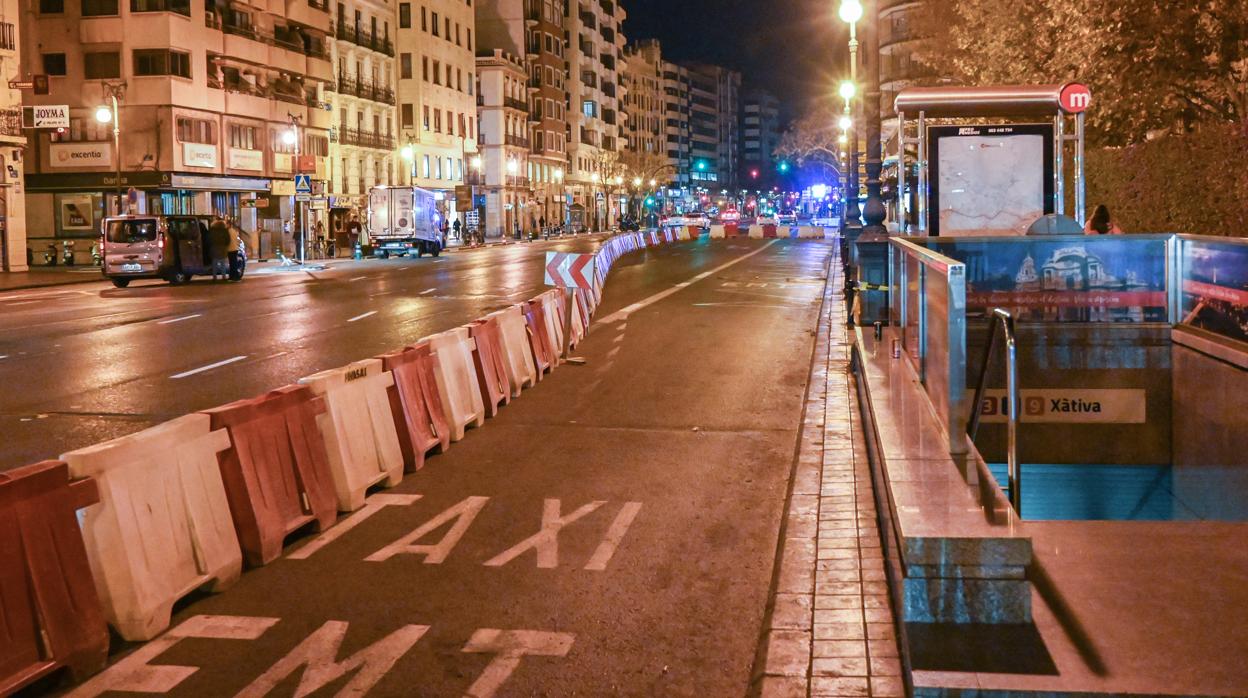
column 847, row 90
column 103, row 114
column 846, row 123
column 850, row 12
column 476, row 163
column 408, row 152
column 289, row 137
column 636, row 181
column 559, row 174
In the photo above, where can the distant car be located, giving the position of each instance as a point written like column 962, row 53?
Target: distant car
column 698, row 219
column 730, row 217
column 671, row 221
column 786, row 217
column 766, row 220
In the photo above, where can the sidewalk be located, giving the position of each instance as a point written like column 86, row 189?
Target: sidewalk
column 39, row 277
column 831, row 631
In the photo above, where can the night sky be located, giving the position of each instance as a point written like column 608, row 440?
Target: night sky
column 795, row 48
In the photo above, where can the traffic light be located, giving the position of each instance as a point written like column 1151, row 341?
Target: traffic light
column 754, row 173
column 784, row 166
column 700, row 165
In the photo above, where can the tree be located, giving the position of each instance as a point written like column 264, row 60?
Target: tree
column 646, row 165
column 812, row 139
column 1152, row 66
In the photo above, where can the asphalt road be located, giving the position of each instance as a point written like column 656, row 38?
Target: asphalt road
column 84, row 363
column 658, row 473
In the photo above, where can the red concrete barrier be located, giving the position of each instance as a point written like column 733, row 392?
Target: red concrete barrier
column 544, row 352
column 487, row 357
column 732, row 230
column 276, row 471
column 50, row 613
column 769, row 230
column 419, row 416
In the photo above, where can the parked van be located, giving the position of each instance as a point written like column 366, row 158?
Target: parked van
column 173, row 248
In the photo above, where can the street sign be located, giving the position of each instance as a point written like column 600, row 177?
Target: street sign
column 47, row 116
column 303, row 184
column 1075, row 98
column 254, row 203
column 21, row 84
column 567, row 270
column 303, row 197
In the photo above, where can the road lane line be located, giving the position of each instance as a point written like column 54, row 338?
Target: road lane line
column 10, row 305
column 428, row 290
column 170, row 321
column 615, row 534
column 209, row 367
column 358, row 278
column 362, row 316
column 623, row 313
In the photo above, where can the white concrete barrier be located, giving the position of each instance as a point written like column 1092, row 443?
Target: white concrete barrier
column 457, row 380
column 517, row 354
column 718, row 233
column 358, row 427
column 756, row 232
column 554, row 318
column 162, row 527
column 810, row 232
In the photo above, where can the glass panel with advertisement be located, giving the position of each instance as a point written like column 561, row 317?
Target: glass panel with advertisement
column 1113, row 278
column 1215, row 286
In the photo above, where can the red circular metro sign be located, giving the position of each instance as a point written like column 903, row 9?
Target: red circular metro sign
column 1075, row 98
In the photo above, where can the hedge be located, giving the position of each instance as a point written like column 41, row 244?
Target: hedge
column 1196, row 182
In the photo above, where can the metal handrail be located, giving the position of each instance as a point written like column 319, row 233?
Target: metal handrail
column 1002, row 317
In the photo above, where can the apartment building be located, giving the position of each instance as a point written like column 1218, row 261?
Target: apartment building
column 646, row 129
column 900, row 35
column 714, row 111
column 505, row 150
column 13, row 249
column 760, row 134
column 437, row 94
column 594, row 54
column 205, row 98
column 534, row 29
column 363, row 102
column 676, row 119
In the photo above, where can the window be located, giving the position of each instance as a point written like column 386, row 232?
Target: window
column 589, row 108
column 405, row 66
column 437, row 73
column 426, row 117
column 437, row 121
column 161, row 62
column 435, row 24
column 424, row 67
column 459, row 79
column 51, row 7
column 195, row 131
column 424, row 20
column 405, row 15
column 102, row 66
column 54, row 63
column 182, row 7
column 96, row 8
column 244, row 137
column 426, row 167
column 407, row 118
column 448, row 28
column 469, row 40
column 457, row 35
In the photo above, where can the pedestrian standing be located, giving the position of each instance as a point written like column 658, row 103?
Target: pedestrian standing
column 219, row 247
column 1101, row 223
column 353, row 232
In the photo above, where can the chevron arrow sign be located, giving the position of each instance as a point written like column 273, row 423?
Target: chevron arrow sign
column 567, row 270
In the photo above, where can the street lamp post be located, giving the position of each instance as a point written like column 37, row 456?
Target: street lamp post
column 874, row 212
column 104, row 114
column 850, row 12
column 409, row 153
column 563, row 196
column 291, row 138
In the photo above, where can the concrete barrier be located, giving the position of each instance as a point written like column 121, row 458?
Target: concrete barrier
column 162, row 528
column 276, row 470
column 517, row 351
column 718, row 232
column 554, row 318
column 49, row 608
column 491, row 367
column 358, row 428
column 419, row 418
column 756, row 232
column 457, row 381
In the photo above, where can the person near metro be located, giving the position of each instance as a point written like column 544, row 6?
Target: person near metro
column 1101, row 223
column 219, row 247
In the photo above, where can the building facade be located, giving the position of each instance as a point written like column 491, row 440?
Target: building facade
column 714, row 113
column 363, row 102
column 594, row 53
column 760, row 134
column 676, row 118
column 437, row 95
column 13, row 247
column 645, row 128
column 504, row 160
column 534, row 29
column 900, row 30
column 205, row 98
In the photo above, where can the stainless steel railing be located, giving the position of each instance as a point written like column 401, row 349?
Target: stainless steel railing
column 1002, row 318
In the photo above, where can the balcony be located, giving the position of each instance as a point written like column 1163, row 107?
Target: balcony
column 514, row 103
column 518, row 141
column 365, row 90
column 365, row 139
column 588, row 19
column 364, row 38
column 322, row 5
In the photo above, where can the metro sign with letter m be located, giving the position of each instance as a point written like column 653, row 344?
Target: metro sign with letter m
column 567, row 270
column 1075, row 98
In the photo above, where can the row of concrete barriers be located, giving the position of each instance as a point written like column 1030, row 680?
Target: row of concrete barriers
column 115, row 534
column 769, row 230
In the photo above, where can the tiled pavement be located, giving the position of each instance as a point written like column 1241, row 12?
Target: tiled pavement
column 831, row 631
